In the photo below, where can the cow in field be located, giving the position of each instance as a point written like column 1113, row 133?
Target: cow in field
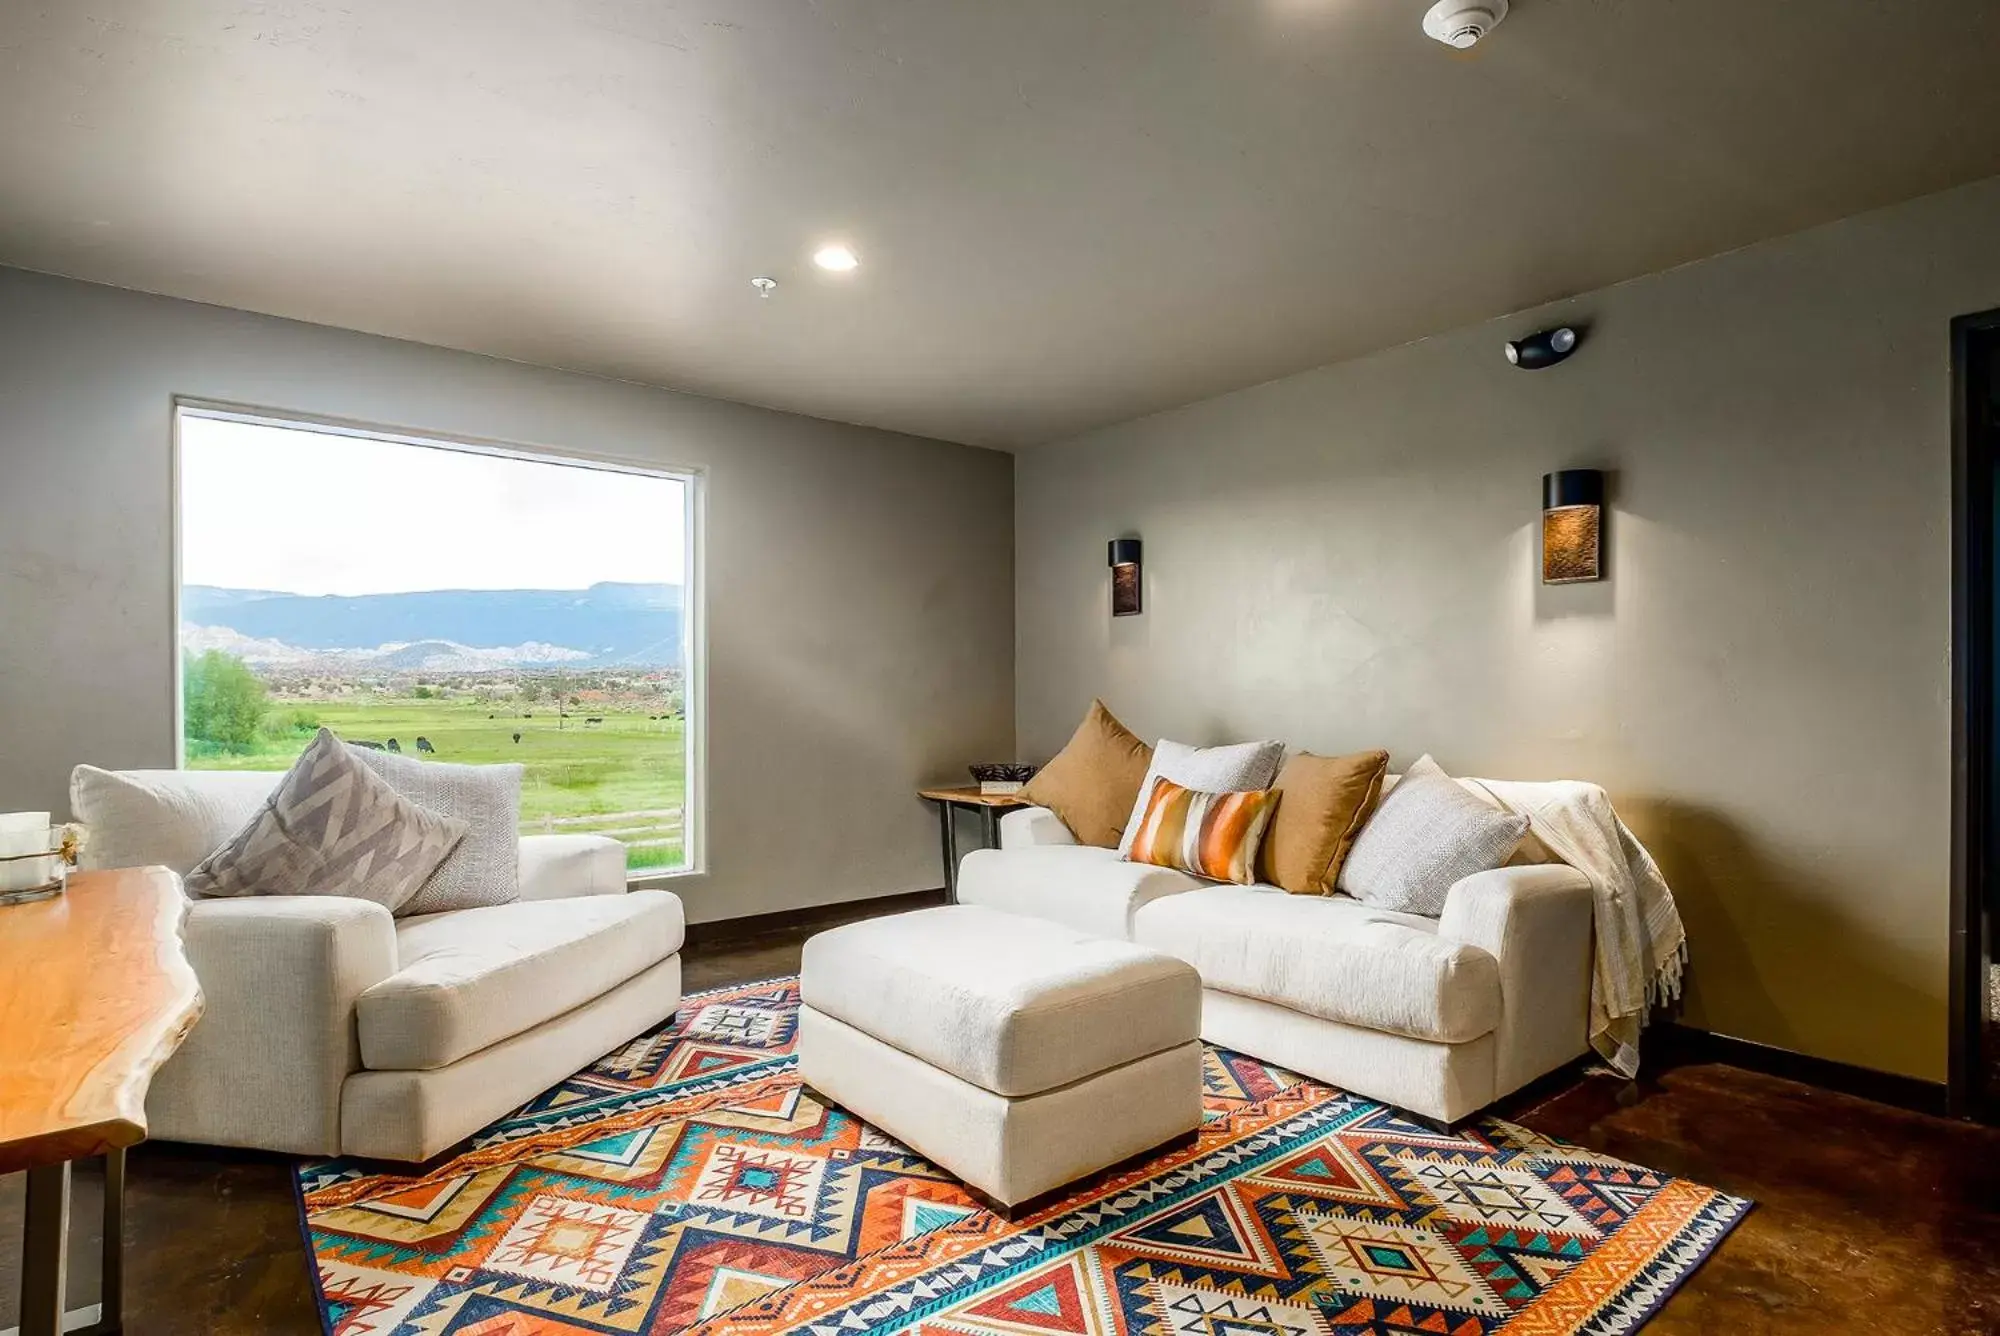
column 360, row 742
column 424, row 745
column 395, row 746
column 517, row 738
column 594, row 721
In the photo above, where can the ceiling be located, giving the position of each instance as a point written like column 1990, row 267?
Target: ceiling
column 1067, row 213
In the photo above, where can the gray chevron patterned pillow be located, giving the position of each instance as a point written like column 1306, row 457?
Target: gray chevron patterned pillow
column 331, row 827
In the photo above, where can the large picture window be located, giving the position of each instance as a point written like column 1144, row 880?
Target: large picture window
column 451, row 602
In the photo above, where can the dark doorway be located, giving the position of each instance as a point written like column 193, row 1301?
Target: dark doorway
column 1975, row 614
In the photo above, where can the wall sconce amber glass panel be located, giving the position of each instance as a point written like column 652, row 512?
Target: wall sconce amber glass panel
column 1123, row 555
column 1572, row 526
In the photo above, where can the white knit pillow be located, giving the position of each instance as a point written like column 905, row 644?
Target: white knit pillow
column 485, row 868
column 1240, row 767
column 1427, row 836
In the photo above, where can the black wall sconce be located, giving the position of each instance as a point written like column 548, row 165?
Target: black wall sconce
column 1123, row 554
column 1572, row 526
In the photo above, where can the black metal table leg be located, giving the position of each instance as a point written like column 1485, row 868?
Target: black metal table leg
column 111, row 1304
column 45, row 1250
column 948, row 837
column 989, row 826
column 45, row 1253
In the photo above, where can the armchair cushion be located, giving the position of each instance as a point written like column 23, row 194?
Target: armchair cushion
column 473, row 977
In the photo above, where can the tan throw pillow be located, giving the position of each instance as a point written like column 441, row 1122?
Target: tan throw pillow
column 331, row 827
column 1093, row 783
column 1213, row 835
column 1326, row 801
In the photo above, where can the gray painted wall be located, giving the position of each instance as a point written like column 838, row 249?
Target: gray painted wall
column 1347, row 558
column 859, row 624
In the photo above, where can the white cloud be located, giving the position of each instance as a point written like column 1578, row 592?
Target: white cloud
column 308, row 512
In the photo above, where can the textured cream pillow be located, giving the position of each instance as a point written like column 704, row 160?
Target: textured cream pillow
column 331, row 827
column 1427, row 836
column 1093, row 782
column 485, row 868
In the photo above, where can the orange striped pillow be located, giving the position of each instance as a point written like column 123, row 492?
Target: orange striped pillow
column 1213, row 835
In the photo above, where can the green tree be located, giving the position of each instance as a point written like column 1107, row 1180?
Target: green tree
column 224, row 701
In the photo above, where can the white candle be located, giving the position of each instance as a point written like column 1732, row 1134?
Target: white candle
column 24, row 833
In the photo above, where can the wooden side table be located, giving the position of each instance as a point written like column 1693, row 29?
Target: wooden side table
column 949, row 801
column 96, row 993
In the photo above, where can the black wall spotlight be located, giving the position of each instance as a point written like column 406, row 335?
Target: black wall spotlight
column 1544, row 349
column 1123, row 554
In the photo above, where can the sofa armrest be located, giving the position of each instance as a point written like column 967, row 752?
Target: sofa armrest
column 560, row 867
column 1537, row 922
column 265, row 1064
column 1027, row 826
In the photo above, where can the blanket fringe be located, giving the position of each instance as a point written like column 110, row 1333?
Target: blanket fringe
column 1664, row 988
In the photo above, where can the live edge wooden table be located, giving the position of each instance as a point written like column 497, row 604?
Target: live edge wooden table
column 95, row 993
column 949, row 801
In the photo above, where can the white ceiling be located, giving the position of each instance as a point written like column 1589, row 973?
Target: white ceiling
column 1068, row 212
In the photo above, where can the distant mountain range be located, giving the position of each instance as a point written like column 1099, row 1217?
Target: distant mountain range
column 455, row 630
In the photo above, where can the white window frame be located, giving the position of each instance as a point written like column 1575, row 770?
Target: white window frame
column 694, row 594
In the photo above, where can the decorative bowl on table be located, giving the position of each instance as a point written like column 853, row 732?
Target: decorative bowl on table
column 1001, row 778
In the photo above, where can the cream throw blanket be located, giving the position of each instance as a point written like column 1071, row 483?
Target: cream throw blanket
column 1641, row 947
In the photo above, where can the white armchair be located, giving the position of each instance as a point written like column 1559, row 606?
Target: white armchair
column 332, row 1028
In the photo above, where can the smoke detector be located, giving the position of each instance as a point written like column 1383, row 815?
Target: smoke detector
column 1461, row 23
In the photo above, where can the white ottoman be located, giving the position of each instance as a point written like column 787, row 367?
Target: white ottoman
column 1016, row 1053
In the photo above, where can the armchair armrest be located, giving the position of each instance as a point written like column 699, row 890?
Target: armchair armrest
column 264, row 1065
column 1537, row 922
column 559, row 867
column 1026, row 826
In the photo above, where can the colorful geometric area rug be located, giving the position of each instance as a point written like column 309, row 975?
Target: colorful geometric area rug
column 687, row 1183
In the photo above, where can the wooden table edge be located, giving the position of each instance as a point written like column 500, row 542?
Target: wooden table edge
column 973, row 797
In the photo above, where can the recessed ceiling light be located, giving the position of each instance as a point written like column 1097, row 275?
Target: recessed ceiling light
column 838, row 259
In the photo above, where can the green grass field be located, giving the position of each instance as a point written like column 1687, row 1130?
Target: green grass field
column 625, row 777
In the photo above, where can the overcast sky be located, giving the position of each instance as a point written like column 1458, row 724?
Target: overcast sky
column 306, row 512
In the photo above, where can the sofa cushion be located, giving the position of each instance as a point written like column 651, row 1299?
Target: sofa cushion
column 1093, row 782
column 474, row 977
column 1010, row 1004
column 1330, row 957
column 175, row 818
column 1077, row 885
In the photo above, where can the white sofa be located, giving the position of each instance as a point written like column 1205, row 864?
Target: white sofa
column 331, row 1028
column 1436, row 1016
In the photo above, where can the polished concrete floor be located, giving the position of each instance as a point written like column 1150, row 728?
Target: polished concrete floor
column 1869, row 1219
